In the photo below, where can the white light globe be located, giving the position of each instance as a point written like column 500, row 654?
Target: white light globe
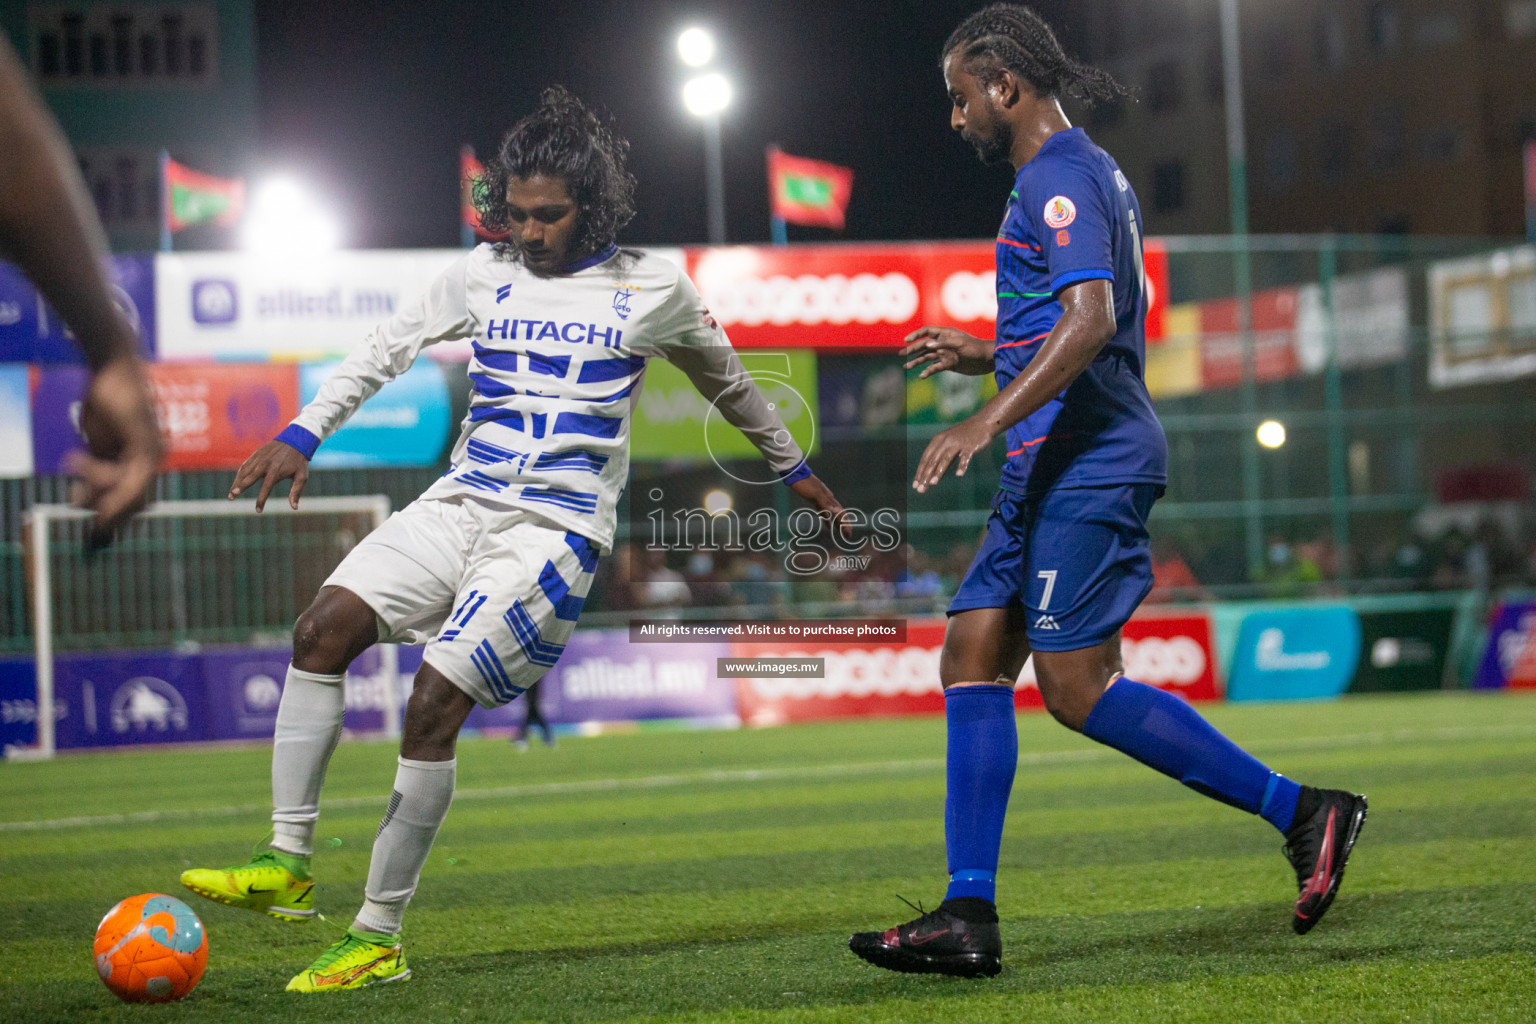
column 1271, row 433
column 284, row 219
column 695, row 46
column 707, row 94
column 717, row 503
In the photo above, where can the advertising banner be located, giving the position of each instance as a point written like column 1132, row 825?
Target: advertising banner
column 124, row 699
column 1510, row 657
column 672, row 420
column 243, row 687
column 1295, row 654
column 407, row 423
column 1370, row 320
column 602, row 677
column 31, row 332
column 1403, row 650
column 845, row 296
column 1173, row 365
column 15, row 422
column 211, row 417
column 1482, row 317
column 1174, row 653
column 249, row 307
column 1274, row 339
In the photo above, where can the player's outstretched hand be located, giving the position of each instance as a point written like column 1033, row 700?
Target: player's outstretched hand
column 947, row 348
column 821, row 498
column 273, row 462
column 118, row 421
column 957, row 444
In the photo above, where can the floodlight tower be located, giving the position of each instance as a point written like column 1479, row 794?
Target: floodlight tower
column 705, row 96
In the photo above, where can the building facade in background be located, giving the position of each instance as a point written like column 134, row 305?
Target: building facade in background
column 1363, row 116
column 129, row 79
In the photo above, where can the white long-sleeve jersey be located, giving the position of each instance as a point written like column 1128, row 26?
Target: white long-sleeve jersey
column 557, row 369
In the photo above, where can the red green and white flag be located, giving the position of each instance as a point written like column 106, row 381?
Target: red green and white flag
column 191, row 197
column 808, row 192
column 469, row 169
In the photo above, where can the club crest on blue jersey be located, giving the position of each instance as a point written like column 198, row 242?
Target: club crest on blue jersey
column 621, row 300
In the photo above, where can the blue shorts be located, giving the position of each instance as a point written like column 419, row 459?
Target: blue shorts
column 1078, row 560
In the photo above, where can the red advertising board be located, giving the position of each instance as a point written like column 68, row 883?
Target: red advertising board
column 845, row 296
column 1171, row 652
column 215, row 416
column 865, row 296
column 1274, row 339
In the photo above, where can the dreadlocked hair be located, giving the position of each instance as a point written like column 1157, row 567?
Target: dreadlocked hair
column 1014, row 37
column 562, row 139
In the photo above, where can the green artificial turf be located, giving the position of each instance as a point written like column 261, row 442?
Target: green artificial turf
column 716, row 876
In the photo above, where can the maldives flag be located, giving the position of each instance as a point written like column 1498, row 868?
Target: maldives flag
column 191, row 197
column 470, row 169
column 808, row 192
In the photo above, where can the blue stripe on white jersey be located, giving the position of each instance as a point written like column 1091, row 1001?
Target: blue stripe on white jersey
column 576, row 458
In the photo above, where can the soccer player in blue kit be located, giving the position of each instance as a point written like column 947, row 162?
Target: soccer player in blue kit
column 1065, row 559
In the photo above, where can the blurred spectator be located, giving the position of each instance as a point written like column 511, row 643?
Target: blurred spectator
column 662, row 587
column 1172, row 578
column 1288, row 571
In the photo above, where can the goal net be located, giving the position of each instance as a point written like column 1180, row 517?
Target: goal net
column 181, row 575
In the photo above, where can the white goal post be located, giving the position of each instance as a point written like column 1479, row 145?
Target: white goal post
column 41, row 517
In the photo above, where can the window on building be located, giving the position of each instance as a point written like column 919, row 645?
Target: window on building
column 1437, row 29
column 1384, row 26
column 1329, row 45
column 1165, row 87
column 1387, row 138
column 125, row 44
column 1168, row 186
column 1280, row 160
column 1333, row 150
column 1440, row 144
column 1214, row 74
column 1520, row 18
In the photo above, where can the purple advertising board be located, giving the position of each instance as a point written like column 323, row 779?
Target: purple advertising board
column 55, row 414
column 31, row 332
column 121, row 699
column 1510, row 654
column 602, row 677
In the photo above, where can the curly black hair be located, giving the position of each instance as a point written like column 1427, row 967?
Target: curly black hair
column 562, row 139
column 1014, row 37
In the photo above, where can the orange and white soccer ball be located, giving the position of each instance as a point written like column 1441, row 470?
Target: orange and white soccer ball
column 151, row 948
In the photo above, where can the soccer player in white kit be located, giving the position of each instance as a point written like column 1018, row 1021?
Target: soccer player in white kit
column 490, row 566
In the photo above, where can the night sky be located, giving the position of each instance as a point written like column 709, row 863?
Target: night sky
column 372, row 107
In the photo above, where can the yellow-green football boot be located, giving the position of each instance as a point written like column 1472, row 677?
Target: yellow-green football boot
column 273, row 882
column 355, row 960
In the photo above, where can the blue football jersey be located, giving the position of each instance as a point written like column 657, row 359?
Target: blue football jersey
column 1072, row 217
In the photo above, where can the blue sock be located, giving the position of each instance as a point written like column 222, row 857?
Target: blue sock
column 1163, row 732
column 982, row 755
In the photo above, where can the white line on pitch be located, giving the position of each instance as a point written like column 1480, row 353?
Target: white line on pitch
column 741, row 775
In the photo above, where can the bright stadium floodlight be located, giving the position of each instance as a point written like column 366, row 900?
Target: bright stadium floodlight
column 717, row 503
column 284, row 219
column 1271, row 433
column 707, row 95
column 695, row 46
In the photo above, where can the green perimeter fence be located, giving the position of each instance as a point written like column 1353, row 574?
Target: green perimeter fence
column 1400, row 368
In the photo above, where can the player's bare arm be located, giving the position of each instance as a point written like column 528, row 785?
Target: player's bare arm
column 48, row 225
column 272, row 463
column 1086, row 325
column 936, row 349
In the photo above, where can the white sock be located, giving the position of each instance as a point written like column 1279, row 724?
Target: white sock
column 423, row 791
column 308, row 727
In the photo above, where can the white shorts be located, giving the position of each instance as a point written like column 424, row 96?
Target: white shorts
column 493, row 593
